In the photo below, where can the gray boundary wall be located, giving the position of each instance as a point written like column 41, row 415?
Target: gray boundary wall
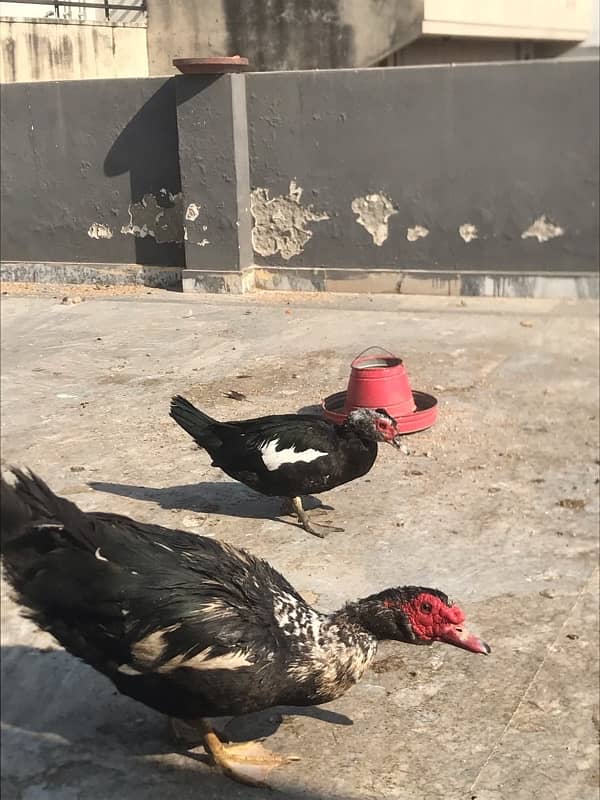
column 480, row 150
column 464, row 177
column 83, row 160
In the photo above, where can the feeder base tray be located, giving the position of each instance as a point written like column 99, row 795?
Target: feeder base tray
column 423, row 417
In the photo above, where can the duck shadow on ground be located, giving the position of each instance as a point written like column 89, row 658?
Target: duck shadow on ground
column 215, row 497
column 64, row 723
column 209, row 497
column 90, row 707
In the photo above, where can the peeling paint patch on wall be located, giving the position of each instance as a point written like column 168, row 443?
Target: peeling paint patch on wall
column 191, row 232
column 468, row 232
column 192, row 212
column 543, row 230
column 280, row 223
column 98, row 230
column 418, row 232
column 373, row 212
column 158, row 216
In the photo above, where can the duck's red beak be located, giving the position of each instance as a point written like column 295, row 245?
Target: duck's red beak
column 459, row 637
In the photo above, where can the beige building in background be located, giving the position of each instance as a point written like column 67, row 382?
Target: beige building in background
column 494, row 30
column 81, row 43
column 54, row 50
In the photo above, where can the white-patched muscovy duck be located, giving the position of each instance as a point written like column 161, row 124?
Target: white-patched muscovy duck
column 290, row 455
column 195, row 628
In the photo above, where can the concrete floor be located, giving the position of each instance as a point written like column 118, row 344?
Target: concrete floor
column 475, row 510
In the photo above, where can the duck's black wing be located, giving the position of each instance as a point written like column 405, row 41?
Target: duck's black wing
column 137, row 600
column 283, row 454
column 291, row 455
column 286, row 454
column 293, row 430
column 245, row 439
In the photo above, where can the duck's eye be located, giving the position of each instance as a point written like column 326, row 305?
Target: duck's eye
column 426, row 608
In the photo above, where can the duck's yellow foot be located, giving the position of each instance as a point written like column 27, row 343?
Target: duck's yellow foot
column 248, row 763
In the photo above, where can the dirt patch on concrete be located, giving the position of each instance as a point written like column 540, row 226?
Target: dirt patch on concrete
column 70, row 290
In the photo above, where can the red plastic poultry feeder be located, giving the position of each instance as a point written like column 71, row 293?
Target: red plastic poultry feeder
column 378, row 379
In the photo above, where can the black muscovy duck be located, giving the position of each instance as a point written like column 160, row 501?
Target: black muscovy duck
column 290, row 455
column 196, row 628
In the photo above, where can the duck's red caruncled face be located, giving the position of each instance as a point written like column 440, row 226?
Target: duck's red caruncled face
column 432, row 620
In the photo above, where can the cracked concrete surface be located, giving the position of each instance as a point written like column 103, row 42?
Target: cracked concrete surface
column 473, row 510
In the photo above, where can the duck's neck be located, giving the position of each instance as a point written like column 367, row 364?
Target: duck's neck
column 356, row 615
column 371, row 616
column 356, row 431
column 337, row 656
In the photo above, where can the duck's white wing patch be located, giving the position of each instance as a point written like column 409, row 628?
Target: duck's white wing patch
column 164, row 546
column 127, row 669
column 205, row 660
column 99, row 555
column 274, row 458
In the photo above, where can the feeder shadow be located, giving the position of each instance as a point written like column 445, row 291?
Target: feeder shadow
column 314, row 409
column 209, row 497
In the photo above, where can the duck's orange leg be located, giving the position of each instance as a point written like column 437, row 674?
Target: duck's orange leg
column 248, row 762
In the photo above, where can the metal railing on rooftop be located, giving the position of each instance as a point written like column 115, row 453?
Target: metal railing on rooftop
column 61, row 5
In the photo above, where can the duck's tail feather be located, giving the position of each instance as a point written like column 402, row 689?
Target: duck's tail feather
column 45, row 543
column 15, row 516
column 203, row 429
column 31, row 502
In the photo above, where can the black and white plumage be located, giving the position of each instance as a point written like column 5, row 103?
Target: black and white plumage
column 192, row 627
column 290, row 455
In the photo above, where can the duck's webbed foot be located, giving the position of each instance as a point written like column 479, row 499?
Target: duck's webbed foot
column 248, row 762
column 319, row 530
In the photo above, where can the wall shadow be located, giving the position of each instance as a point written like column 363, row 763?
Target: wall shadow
column 148, row 149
